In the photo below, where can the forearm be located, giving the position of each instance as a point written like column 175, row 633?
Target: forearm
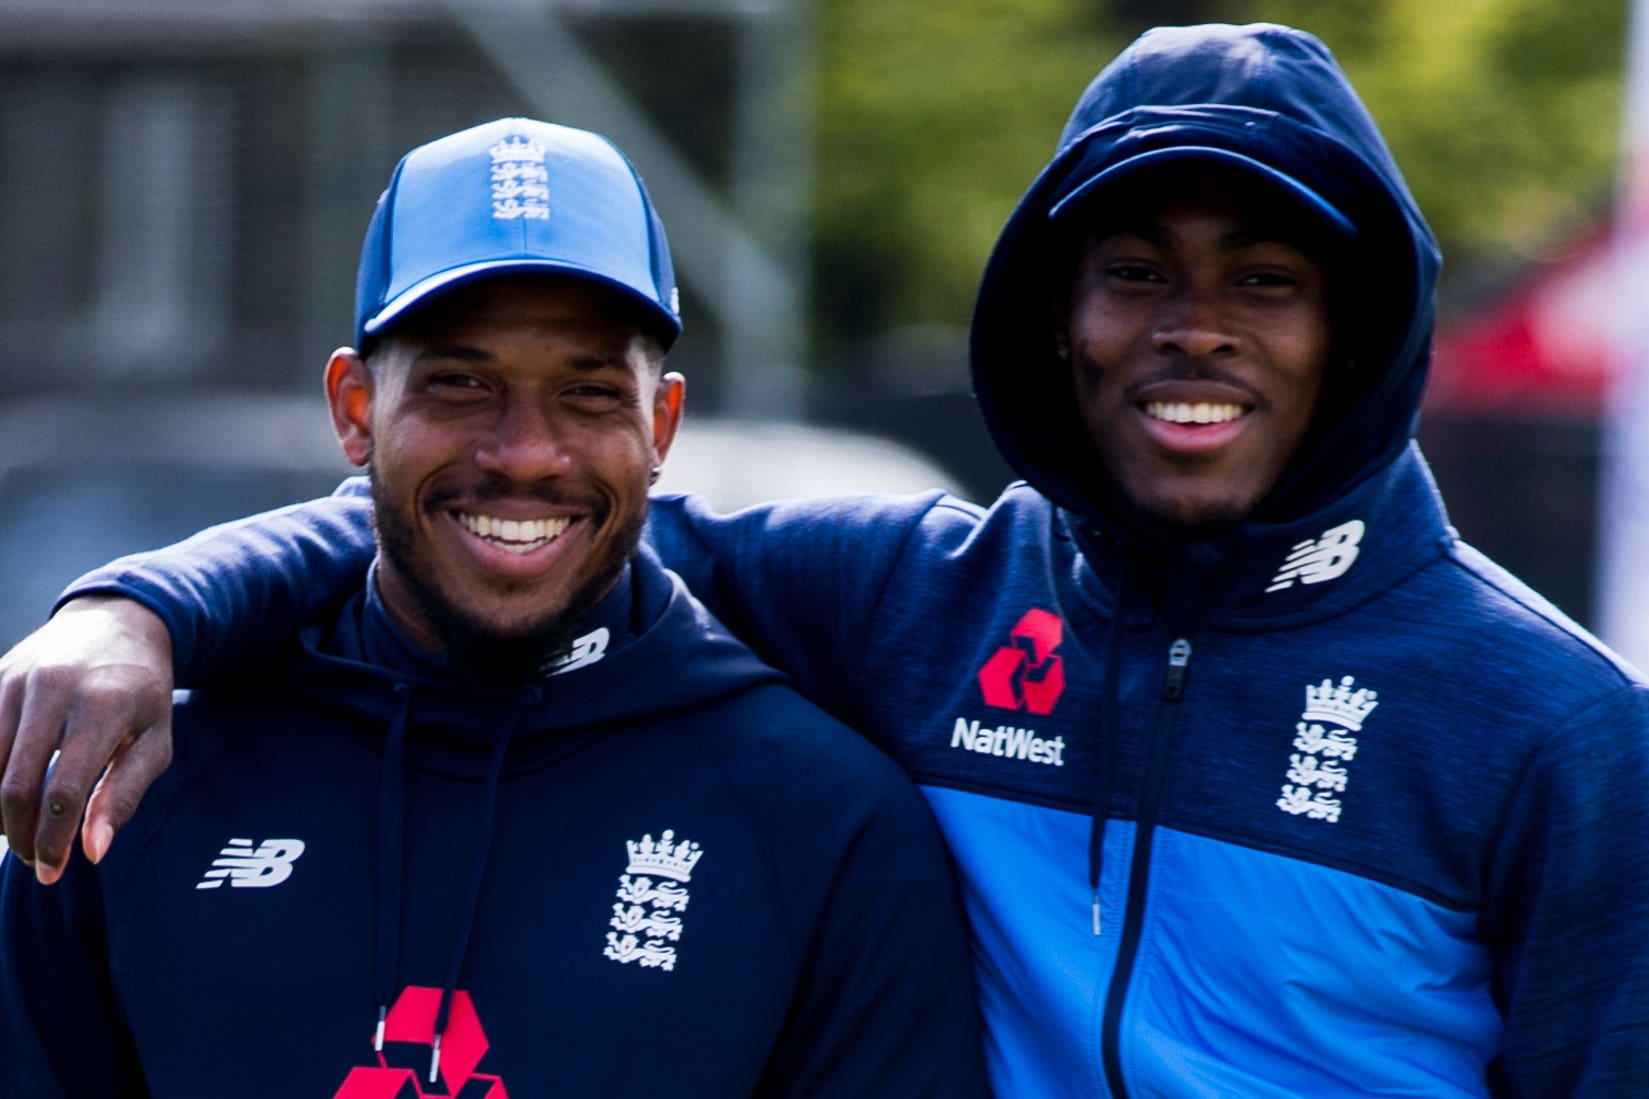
column 233, row 593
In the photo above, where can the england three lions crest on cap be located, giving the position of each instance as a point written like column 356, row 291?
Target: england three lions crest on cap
column 520, row 182
column 652, row 894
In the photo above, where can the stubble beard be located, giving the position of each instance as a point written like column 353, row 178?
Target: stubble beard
column 1162, row 525
column 477, row 650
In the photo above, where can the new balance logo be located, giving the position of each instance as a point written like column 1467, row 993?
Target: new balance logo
column 1323, row 558
column 585, row 651
column 246, row 867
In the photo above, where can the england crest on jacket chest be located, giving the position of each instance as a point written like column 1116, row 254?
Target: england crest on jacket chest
column 649, row 910
column 1324, row 748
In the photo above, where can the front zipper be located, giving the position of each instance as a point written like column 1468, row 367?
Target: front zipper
column 1173, row 689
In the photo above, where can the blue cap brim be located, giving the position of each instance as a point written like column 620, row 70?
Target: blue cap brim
column 1088, row 187
column 424, row 290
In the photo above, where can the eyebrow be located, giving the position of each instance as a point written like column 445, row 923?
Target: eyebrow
column 591, row 363
column 452, row 351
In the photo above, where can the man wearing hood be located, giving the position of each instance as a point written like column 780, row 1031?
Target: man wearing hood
column 1261, row 783
column 520, row 817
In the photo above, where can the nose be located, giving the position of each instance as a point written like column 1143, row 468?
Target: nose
column 1193, row 322
column 524, row 443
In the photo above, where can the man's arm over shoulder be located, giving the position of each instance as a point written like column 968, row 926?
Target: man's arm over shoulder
column 96, row 680
column 799, row 581
column 1571, row 875
column 60, row 1031
column 232, row 592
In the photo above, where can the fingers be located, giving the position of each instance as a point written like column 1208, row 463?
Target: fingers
column 35, row 733
column 135, row 766
column 11, row 714
column 103, row 724
column 96, row 682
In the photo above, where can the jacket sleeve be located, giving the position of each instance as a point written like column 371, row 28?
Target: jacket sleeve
column 233, row 593
column 61, row 1031
column 1572, row 943
column 798, row 581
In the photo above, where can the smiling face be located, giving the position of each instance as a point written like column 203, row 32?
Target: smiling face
column 511, row 427
column 1198, row 337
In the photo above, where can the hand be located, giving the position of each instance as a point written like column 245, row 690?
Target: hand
column 95, row 682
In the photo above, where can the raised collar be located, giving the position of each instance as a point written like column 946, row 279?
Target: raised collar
column 1271, row 575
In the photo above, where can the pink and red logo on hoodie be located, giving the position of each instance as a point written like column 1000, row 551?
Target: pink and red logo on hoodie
column 463, row 1044
column 1026, row 674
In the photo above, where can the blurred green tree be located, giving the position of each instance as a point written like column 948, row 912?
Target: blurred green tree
column 1505, row 115
column 934, row 117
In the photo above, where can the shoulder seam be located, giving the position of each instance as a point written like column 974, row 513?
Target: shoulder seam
column 1551, row 616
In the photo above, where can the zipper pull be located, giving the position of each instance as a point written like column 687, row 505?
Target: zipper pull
column 1173, row 684
column 1096, row 911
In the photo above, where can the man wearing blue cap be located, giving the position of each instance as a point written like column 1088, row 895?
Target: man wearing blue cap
column 521, row 818
column 1261, row 783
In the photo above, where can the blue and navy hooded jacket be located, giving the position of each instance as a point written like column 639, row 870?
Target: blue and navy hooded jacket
column 1325, row 805
column 656, row 870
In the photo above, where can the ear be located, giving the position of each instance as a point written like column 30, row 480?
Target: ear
column 349, row 395
column 1059, row 327
column 667, row 402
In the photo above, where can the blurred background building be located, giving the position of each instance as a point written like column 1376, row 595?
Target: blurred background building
column 184, row 184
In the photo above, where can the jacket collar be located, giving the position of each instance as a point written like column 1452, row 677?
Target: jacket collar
column 680, row 658
column 1267, row 576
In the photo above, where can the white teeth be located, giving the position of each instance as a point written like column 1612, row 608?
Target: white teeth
column 515, row 535
column 1180, row 412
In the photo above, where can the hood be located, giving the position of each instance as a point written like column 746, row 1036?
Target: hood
column 1273, row 100
column 679, row 658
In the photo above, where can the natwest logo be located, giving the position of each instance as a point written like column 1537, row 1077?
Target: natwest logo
column 1026, row 675
column 1005, row 740
column 412, row 1021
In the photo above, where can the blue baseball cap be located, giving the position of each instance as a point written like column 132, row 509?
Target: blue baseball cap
column 509, row 197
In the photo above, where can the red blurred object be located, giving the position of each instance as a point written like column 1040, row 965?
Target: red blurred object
column 1542, row 347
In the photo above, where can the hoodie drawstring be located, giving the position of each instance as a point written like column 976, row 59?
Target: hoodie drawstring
column 478, row 869
column 1110, row 709
column 391, row 838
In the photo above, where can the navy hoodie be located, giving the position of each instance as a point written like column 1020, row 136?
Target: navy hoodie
column 1327, row 805
column 656, row 870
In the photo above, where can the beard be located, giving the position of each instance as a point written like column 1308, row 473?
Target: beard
column 476, row 649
